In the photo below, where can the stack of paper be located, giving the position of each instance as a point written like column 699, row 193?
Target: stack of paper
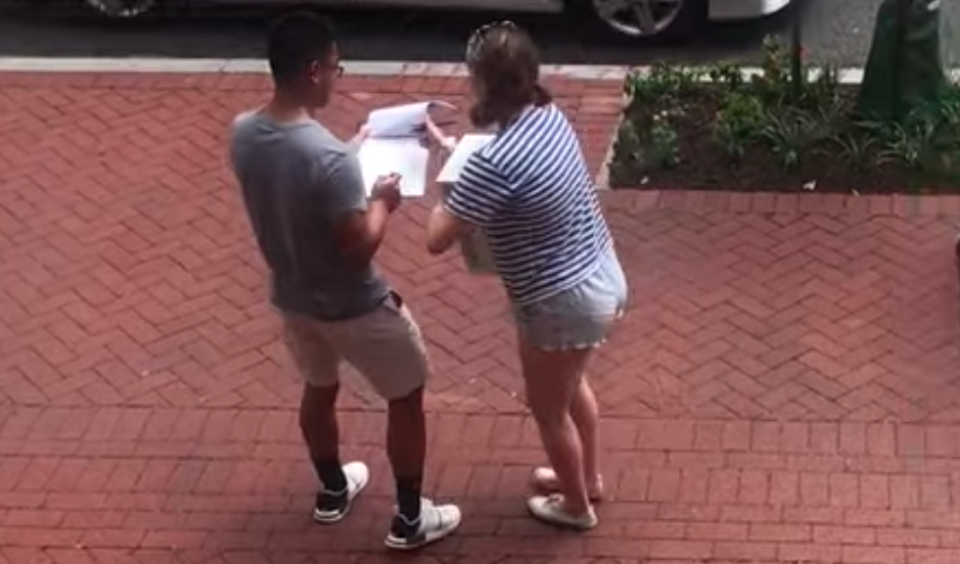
column 394, row 147
column 406, row 157
column 474, row 247
column 467, row 146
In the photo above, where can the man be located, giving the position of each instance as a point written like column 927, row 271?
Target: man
column 318, row 232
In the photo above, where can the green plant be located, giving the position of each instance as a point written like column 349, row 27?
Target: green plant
column 824, row 90
column 732, row 138
column 858, row 151
column 773, row 85
column 743, row 108
column 949, row 107
column 738, row 123
column 628, row 148
column 663, row 148
column 784, row 80
column 927, row 140
column 661, row 81
column 789, row 134
column 797, row 78
column 726, row 74
column 910, row 146
column 627, row 154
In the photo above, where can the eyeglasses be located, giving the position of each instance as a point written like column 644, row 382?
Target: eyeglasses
column 478, row 37
column 337, row 69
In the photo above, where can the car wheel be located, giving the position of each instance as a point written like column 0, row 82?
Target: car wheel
column 650, row 20
column 122, row 8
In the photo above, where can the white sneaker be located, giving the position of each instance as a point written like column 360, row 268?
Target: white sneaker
column 332, row 507
column 435, row 523
column 545, row 480
column 549, row 509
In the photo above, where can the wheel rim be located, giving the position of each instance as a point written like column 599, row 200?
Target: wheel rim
column 638, row 18
column 122, row 8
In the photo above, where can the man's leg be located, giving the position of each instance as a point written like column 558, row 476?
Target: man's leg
column 318, row 363
column 392, row 356
column 318, row 424
column 407, row 449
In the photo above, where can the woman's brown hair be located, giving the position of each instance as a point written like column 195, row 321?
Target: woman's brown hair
column 504, row 64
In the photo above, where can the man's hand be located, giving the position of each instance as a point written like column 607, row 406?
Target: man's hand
column 387, row 190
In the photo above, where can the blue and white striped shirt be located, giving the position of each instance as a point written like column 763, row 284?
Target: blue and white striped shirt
column 531, row 193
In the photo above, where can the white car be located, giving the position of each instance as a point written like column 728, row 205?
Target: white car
column 640, row 19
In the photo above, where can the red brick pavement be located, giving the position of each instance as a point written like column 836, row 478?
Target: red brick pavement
column 786, row 388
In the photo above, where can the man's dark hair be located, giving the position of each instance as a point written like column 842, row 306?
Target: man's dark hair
column 296, row 40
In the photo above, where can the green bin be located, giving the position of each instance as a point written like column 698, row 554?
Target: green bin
column 905, row 69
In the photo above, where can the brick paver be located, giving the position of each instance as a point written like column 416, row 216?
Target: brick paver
column 786, row 388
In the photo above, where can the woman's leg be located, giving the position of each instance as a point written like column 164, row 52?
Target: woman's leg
column 552, row 381
column 586, row 415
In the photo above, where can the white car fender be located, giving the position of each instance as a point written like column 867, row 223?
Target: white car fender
column 744, row 9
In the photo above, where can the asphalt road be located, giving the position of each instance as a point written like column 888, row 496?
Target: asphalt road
column 834, row 30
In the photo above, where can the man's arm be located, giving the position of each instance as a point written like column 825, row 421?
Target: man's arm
column 360, row 233
column 358, row 225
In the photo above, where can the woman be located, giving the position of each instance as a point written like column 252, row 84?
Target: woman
column 531, row 193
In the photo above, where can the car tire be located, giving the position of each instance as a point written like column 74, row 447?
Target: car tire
column 678, row 25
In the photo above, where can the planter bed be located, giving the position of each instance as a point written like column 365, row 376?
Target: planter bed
column 719, row 129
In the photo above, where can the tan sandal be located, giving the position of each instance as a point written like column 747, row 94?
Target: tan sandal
column 545, row 480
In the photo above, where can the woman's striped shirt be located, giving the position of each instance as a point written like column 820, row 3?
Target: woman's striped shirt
column 530, row 191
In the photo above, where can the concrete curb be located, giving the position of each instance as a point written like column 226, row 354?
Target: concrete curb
column 258, row 66
column 850, row 76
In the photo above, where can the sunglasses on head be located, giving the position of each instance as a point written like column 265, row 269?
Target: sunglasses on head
column 478, row 37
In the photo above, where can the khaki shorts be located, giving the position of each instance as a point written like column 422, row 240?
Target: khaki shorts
column 385, row 346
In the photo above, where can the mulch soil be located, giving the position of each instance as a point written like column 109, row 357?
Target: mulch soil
column 704, row 166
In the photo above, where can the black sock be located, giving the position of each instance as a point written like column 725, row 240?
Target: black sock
column 330, row 472
column 408, row 498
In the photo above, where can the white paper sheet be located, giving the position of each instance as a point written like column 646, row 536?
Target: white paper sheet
column 468, row 145
column 403, row 156
column 474, row 246
column 407, row 120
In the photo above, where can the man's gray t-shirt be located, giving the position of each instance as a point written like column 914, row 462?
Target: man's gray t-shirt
column 297, row 180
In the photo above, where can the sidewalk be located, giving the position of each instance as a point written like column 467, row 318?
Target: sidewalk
column 786, row 388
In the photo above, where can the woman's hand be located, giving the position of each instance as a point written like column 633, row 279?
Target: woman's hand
column 433, row 137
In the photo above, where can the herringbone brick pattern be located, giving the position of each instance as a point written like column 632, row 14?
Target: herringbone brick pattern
column 788, row 315
column 785, row 389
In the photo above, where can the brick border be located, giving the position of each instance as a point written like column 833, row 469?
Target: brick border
column 895, row 205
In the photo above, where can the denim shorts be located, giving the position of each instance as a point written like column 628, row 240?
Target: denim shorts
column 578, row 318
